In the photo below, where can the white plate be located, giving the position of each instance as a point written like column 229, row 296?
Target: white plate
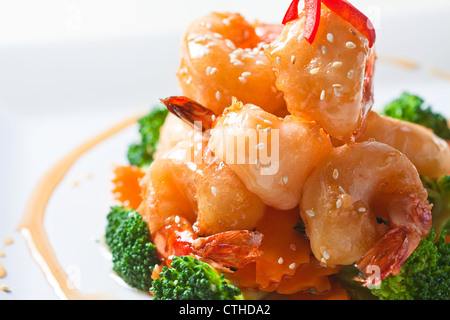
column 75, row 216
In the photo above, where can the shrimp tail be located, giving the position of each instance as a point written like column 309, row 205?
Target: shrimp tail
column 388, row 255
column 232, row 249
column 392, row 250
column 190, row 111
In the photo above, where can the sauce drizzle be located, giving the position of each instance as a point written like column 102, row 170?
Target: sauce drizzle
column 32, row 227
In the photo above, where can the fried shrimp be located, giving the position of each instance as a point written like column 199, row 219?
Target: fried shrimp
column 198, row 192
column 328, row 81
column 365, row 202
column 222, row 56
column 429, row 153
column 271, row 155
column 193, row 207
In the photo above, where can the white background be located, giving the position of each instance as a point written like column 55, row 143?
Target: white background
column 70, row 69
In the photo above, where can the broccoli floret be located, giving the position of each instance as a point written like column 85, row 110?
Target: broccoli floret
column 191, row 279
column 133, row 254
column 141, row 154
column 410, row 108
column 425, row 275
column 439, row 195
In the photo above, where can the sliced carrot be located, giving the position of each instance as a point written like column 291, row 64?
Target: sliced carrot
column 307, row 276
column 126, row 186
column 156, row 271
column 296, row 271
column 283, row 248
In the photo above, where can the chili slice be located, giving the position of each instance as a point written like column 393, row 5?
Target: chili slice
column 353, row 16
column 312, row 12
column 341, row 7
column 291, row 13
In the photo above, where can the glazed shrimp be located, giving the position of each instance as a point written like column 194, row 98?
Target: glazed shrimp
column 349, row 195
column 184, row 200
column 207, row 194
column 429, row 153
column 328, row 81
column 271, row 155
column 221, row 57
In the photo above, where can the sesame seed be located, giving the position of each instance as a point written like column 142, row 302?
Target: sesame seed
column 267, row 121
column 337, row 92
column 337, row 85
column 213, row 70
column 350, row 74
column 338, row 203
column 314, row 71
column 322, row 95
column 285, row 179
column 260, row 63
column 259, row 127
column 237, row 62
column 323, row 261
column 226, row 22
column 326, row 255
column 292, row 266
column 246, row 74
column 292, row 59
column 279, row 61
column 208, row 26
column 293, row 247
column 214, row 190
column 260, row 146
column 320, row 138
column 218, row 95
column 337, row 64
column 324, row 49
column 330, row 37
column 266, row 46
column 230, row 44
column 335, row 174
column 342, row 190
column 361, row 209
column 177, row 219
column 218, row 35
column 350, row 45
column 310, row 213
column 242, row 79
column 267, row 130
column 281, row 260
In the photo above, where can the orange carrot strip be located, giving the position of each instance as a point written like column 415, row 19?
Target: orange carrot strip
column 283, row 248
column 310, row 275
column 126, row 186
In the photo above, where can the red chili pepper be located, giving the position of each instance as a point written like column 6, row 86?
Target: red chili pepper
column 341, row 7
column 353, row 16
column 312, row 12
column 292, row 12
